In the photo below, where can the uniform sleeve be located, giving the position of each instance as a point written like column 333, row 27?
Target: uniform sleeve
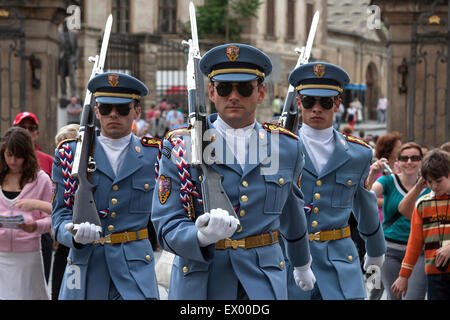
column 366, row 213
column 293, row 220
column 61, row 212
column 175, row 231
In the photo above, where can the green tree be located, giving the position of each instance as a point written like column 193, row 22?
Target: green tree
column 224, row 18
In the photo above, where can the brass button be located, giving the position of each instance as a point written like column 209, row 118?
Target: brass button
column 319, row 183
column 213, row 137
column 242, row 213
column 316, row 210
column 281, row 181
column 200, row 178
column 245, row 184
column 185, row 269
column 113, row 214
column 349, row 182
column 70, row 261
column 282, row 264
column 114, row 201
column 244, row 198
column 138, row 149
column 147, row 257
column 110, row 227
column 350, row 258
column 115, row 187
column 240, row 229
column 146, row 186
column 317, row 196
column 314, row 224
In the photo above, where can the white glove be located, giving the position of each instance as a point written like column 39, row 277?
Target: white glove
column 369, row 261
column 304, row 277
column 86, row 232
column 214, row 226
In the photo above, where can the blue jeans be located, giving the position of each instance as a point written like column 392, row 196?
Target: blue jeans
column 438, row 286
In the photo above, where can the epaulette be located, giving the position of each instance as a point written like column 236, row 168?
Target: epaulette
column 272, row 127
column 150, row 142
column 64, row 141
column 178, row 131
column 354, row 139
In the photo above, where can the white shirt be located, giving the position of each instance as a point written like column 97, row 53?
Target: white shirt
column 237, row 139
column 319, row 144
column 115, row 150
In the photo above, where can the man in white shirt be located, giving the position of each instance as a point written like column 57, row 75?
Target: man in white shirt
column 333, row 183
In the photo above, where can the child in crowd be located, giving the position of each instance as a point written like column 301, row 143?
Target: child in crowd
column 430, row 228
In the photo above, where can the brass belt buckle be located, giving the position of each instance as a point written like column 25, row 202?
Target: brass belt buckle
column 105, row 239
column 314, row 236
column 238, row 243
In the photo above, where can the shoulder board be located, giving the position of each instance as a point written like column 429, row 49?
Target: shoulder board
column 272, row 127
column 178, row 131
column 64, row 141
column 150, row 142
column 354, row 139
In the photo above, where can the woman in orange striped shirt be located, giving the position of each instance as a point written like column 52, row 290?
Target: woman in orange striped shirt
column 430, row 227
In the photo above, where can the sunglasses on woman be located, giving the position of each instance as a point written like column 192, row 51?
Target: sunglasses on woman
column 121, row 109
column 309, row 101
column 414, row 158
column 245, row 89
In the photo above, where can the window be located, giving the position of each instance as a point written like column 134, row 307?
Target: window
column 168, row 16
column 121, row 16
column 270, row 20
column 290, row 30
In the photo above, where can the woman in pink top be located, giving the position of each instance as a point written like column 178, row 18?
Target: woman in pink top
column 25, row 195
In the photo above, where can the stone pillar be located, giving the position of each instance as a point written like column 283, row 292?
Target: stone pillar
column 42, row 18
column 419, row 124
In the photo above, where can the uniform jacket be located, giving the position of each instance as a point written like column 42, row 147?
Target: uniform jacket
column 272, row 201
column 16, row 240
column 336, row 192
column 130, row 265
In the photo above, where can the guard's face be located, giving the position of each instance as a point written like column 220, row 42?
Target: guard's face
column 114, row 124
column 234, row 107
column 316, row 116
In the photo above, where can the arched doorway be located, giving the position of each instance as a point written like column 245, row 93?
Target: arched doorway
column 372, row 92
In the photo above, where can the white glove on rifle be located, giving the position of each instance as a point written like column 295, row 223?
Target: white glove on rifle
column 86, row 232
column 304, row 277
column 369, row 261
column 214, row 226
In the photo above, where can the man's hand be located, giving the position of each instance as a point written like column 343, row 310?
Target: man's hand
column 369, row 261
column 304, row 277
column 86, row 232
column 214, row 226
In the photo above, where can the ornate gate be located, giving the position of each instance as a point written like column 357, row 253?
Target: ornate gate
column 12, row 62
column 429, row 94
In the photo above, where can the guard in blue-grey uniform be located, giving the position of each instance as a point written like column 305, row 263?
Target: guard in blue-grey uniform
column 261, row 166
column 333, row 183
column 119, row 265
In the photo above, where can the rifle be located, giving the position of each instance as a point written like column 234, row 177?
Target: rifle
column 84, row 209
column 213, row 194
column 289, row 117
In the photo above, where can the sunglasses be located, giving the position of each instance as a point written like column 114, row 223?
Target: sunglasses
column 308, row 102
column 406, row 158
column 30, row 128
column 121, row 109
column 245, row 89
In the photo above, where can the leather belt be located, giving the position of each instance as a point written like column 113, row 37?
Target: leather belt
column 114, row 238
column 328, row 235
column 259, row 240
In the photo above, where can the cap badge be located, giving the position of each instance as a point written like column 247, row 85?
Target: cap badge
column 232, row 53
column 319, row 70
column 113, row 79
